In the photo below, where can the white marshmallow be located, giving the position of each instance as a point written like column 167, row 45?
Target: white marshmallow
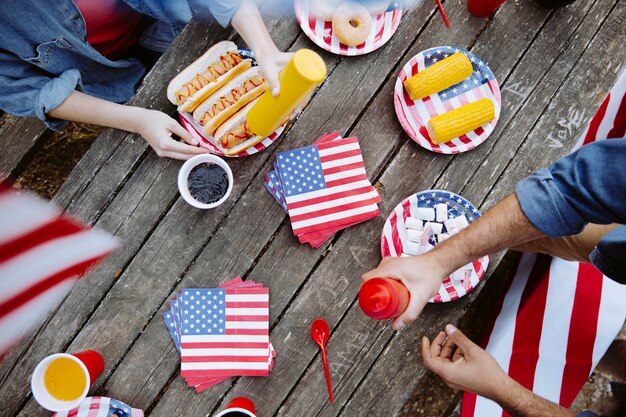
column 436, row 227
column 441, row 211
column 424, row 213
column 413, row 235
column 443, row 237
column 405, row 255
column 461, row 222
column 411, row 248
column 415, row 224
column 450, row 225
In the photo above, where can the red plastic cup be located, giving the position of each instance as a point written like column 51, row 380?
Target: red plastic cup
column 93, row 362
column 383, row 298
column 483, row 8
column 240, row 406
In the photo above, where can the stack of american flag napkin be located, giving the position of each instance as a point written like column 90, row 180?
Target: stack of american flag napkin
column 323, row 187
column 221, row 332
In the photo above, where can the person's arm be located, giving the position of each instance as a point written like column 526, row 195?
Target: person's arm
column 248, row 22
column 470, row 368
column 503, row 226
column 585, row 186
column 154, row 126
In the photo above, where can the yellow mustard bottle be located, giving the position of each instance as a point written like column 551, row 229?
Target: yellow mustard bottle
column 298, row 79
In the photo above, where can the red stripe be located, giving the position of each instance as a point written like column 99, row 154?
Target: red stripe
column 347, row 180
column 223, row 345
column 619, row 125
column 247, row 291
column 225, row 372
column 340, row 155
column 395, row 237
column 596, row 121
column 248, row 332
column 336, row 224
column 330, row 197
column 247, row 304
column 73, row 272
column 245, row 359
column 582, row 332
column 331, row 210
column 342, row 168
column 246, row 318
column 468, row 404
column 327, row 35
column 529, row 323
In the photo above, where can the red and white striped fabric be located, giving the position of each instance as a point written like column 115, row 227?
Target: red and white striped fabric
column 101, row 407
column 42, row 255
column 557, row 318
column 414, row 115
column 196, row 131
column 383, row 27
column 394, row 237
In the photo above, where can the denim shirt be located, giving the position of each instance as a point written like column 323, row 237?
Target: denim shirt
column 45, row 56
column 587, row 186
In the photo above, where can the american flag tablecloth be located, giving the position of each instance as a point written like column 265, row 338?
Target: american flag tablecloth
column 101, row 407
column 558, row 318
column 42, row 255
column 221, row 332
column 323, row 187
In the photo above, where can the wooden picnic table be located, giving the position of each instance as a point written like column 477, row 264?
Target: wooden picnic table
column 554, row 67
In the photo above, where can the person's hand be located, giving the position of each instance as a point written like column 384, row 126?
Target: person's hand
column 157, row 129
column 422, row 276
column 272, row 61
column 468, row 368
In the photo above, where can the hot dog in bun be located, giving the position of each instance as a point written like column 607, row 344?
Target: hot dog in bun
column 217, row 66
column 229, row 99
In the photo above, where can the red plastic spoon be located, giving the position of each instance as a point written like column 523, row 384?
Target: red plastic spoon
column 320, row 333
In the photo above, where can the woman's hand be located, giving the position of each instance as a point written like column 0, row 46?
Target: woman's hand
column 157, row 129
column 272, row 61
column 422, row 276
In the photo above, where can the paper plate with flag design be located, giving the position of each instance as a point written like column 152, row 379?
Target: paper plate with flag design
column 414, row 115
column 394, row 237
column 384, row 26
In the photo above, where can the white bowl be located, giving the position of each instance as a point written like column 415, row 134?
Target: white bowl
column 183, row 176
column 42, row 395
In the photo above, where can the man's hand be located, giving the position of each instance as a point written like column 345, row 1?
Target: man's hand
column 271, row 62
column 422, row 275
column 468, row 368
column 157, row 129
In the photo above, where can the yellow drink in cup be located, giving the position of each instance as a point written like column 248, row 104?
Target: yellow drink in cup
column 60, row 382
column 64, row 379
column 301, row 76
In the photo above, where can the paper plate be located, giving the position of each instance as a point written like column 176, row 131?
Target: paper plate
column 383, row 27
column 186, row 119
column 414, row 115
column 394, row 236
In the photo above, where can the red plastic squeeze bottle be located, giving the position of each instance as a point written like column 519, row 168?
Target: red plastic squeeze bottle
column 383, row 298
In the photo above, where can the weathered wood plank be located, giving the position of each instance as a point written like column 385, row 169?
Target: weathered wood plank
column 18, row 135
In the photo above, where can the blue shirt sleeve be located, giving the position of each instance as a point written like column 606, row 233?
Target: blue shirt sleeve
column 28, row 91
column 587, row 186
column 222, row 10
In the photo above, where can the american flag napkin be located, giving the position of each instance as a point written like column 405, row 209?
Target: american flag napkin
column 323, row 187
column 221, row 332
column 101, row 407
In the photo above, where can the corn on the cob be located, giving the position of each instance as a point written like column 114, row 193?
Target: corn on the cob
column 439, row 76
column 460, row 121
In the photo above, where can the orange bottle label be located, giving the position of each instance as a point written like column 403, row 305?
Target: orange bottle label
column 64, row 379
